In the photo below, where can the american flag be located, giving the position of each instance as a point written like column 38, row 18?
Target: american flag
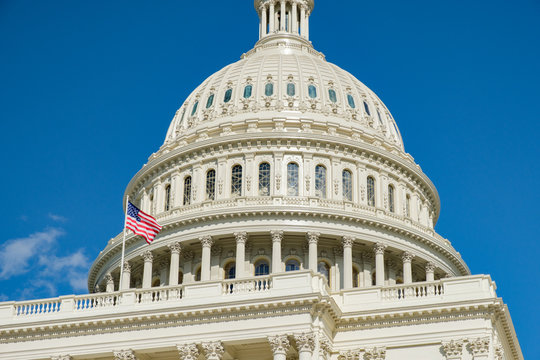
column 141, row 223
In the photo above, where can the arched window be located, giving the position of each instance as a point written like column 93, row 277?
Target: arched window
column 168, row 198
column 211, row 184
column 332, row 95
column 350, row 100
column 292, row 179
column 228, row 96
column 320, row 181
column 347, row 185
column 269, row 89
column 370, row 191
column 210, row 101
column 355, row 277
column 408, row 206
column 292, row 265
column 291, row 89
column 187, row 190
column 324, row 269
column 248, row 91
column 312, row 91
column 391, row 201
column 194, row 110
column 264, row 179
column 230, row 270
column 366, row 108
column 236, row 181
column 262, row 268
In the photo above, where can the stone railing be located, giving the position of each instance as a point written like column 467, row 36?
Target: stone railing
column 37, row 307
column 246, row 286
column 412, row 291
column 160, row 294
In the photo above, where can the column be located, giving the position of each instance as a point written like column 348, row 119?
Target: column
column 313, row 239
column 347, row 242
column 453, row 349
column 306, row 24
column 126, row 277
column 294, row 18
column 430, row 271
column 283, row 17
column 280, row 345
column 147, row 272
column 263, row 21
column 407, row 267
column 188, row 351
column 206, row 242
column 337, row 270
column 480, row 348
column 124, row 355
column 213, row 350
column 110, row 283
column 277, row 237
column 175, row 249
column 379, row 263
column 303, row 21
column 305, row 344
column 367, row 258
column 272, row 16
column 241, row 238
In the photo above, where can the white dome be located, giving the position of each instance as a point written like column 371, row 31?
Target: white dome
column 292, row 67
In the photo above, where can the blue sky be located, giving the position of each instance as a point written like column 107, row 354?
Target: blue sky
column 88, row 89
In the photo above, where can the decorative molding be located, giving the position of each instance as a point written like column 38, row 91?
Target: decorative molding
column 62, row 357
column 127, row 267
column 206, row 240
column 407, row 257
column 313, row 237
column 347, row 241
column 453, row 349
column 379, row 248
column 305, row 342
column 175, row 248
column 279, row 344
column 349, row 355
column 479, row 347
column 241, row 237
column 430, row 267
column 277, row 235
column 377, row 353
column 147, row 256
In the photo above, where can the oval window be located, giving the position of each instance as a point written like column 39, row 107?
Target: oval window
column 291, row 90
column 194, row 108
column 332, row 94
column 247, row 91
column 269, row 89
column 350, row 99
column 366, row 107
column 210, row 101
column 312, row 90
column 228, row 96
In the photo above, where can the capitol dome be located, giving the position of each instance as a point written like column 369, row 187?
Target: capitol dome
column 284, row 147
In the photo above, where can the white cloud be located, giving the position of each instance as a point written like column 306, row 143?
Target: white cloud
column 16, row 254
column 57, row 218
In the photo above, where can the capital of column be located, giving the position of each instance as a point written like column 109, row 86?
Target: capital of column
column 124, row 355
column 453, row 349
column 147, row 256
column 206, row 240
column 127, row 267
column 349, row 355
column 188, row 351
column 479, row 347
column 312, row 237
column 277, row 235
column 376, row 353
column 407, row 257
column 379, row 248
column 347, row 241
column 241, row 237
column 175, row 248
column 305, row 342
column 279, row 344
column 430, row 267
column 109, row 278
column 213, row 350
column 326, row 347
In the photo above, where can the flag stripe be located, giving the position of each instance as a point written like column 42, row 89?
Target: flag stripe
column 141, row 223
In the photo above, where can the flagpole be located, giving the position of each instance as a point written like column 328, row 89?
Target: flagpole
column 123, row 246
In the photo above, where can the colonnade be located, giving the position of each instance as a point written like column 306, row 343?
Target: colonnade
column 314, row 260
column 289, row 16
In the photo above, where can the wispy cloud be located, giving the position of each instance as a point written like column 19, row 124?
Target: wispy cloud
column 38, row 253
column 57, row 218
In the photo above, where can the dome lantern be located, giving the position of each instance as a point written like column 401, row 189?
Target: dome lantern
column 287, row 19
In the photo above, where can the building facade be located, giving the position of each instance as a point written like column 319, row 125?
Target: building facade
column 295, row 226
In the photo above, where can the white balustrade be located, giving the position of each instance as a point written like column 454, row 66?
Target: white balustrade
column 159, row 294
column 412, row 291
column 95, row 301
column 246, row 286
column 37, row 307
